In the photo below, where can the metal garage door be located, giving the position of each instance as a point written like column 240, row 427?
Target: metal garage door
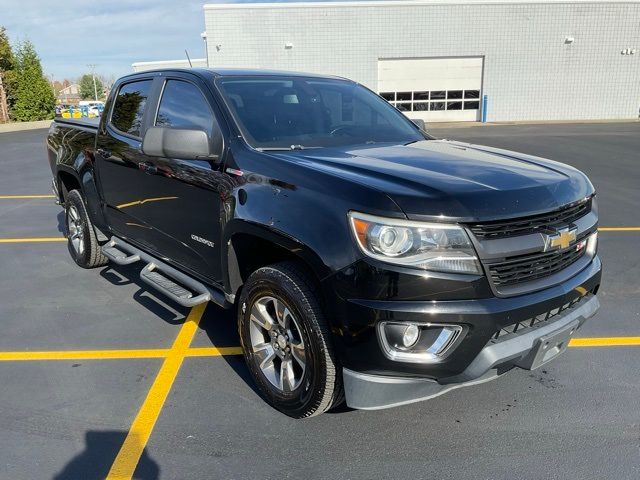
column 433, row 89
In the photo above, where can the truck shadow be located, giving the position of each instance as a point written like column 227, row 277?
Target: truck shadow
column 95, row 461
column 61, row 226
column 167, row 310
column 217, row 323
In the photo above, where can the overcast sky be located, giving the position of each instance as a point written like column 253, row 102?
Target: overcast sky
column 69, row 34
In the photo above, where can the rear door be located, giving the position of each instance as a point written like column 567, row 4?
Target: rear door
column 120, row 160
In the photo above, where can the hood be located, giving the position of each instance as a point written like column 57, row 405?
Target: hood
column 440, row 178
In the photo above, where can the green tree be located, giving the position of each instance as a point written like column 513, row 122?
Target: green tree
column 7, row 74
column 33, row 99
column 86, row 87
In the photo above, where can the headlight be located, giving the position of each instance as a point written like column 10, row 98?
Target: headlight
column 427, row 246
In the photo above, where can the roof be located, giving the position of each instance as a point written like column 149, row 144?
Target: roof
column 235, row 72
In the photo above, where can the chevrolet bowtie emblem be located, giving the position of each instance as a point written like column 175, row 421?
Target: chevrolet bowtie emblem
column 562, row 238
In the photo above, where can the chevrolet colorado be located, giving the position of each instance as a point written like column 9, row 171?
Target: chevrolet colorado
column 366, row 260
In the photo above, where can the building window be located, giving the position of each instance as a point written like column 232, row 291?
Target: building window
column 436, row 100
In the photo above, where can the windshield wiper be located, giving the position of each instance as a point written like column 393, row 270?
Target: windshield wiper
column 284, row 149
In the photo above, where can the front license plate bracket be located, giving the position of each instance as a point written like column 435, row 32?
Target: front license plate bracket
column 548, row 347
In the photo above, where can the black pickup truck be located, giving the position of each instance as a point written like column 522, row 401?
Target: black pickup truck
column 366, row 260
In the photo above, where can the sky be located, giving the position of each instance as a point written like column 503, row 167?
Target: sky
column 113, row 34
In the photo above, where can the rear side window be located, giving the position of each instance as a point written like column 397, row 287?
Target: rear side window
column 129, row 107
column 183, row 106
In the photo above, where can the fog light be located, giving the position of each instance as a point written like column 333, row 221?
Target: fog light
column 410, row 337
column 418, row 342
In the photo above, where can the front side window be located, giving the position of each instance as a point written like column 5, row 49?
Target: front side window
column 128, row 109
column 291, row 112
column 183, row 106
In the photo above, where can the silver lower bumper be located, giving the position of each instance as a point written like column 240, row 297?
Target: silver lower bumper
column 531, row 349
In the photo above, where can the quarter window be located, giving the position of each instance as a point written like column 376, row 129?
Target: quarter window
column 128, row 109
column 184, row 106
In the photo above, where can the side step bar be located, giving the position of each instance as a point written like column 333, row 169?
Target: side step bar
column 178, row 286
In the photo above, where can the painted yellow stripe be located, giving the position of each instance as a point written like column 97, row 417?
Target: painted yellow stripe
column 213, row 351
column 115, row 354
column 84, row 355
column 33, row 240
column 605, row 342
column 24, row 197
column 619, row 229
column 127, row 459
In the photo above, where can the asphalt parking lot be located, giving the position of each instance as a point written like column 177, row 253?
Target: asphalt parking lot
column 99, row 375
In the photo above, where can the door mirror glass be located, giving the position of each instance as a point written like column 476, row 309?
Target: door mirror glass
column 183, row 143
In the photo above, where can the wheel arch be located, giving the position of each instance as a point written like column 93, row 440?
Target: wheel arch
column 249, row 246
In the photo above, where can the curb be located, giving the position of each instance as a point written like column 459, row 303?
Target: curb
column 436, row 125
column 19, row 126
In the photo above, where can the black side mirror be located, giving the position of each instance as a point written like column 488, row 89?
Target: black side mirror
column 419, row 123
column 181, row 143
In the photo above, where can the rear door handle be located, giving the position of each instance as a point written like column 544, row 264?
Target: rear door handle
column 148, row 168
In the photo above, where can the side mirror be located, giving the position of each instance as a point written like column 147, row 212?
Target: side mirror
column 419, row 123
column 181, row 143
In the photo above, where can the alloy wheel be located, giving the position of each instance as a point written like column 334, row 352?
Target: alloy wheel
column 277, row 344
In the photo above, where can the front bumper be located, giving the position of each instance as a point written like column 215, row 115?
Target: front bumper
column 530, row 349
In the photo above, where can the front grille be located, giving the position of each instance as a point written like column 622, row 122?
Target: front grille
column 525, row 268
column 520, row 327
column 531, row 224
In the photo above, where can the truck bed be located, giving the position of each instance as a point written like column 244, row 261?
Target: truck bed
column 91, row 123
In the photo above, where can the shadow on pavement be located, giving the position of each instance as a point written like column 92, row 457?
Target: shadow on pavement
column 167, row 310
column 100, row 451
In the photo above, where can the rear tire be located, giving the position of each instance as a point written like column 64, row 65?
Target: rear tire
column 81, row 236
column 287, row 342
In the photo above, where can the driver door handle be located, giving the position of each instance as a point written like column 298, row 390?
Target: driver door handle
column 104, row 153
column 148, row 168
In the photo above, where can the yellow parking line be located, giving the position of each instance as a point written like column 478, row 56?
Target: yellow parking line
column 84, row 355
column 605, row 342
column 213, row 351
column 33, row 240
column 619, row 229
column 24, row 197
column 127, row 459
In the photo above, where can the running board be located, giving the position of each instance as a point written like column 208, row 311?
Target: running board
column 180, row 287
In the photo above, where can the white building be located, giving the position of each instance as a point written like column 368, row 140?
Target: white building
column 438, row 59
column 195, row 62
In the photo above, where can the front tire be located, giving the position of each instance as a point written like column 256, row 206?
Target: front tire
column 286, row 342
column 81, row 236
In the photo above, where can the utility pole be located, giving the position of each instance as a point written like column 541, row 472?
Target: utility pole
column 4, row 109
column 93, row 66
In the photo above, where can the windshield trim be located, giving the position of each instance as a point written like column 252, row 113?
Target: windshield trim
column 245, row 135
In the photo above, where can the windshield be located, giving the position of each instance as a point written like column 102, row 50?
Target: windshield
column 297, row 112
